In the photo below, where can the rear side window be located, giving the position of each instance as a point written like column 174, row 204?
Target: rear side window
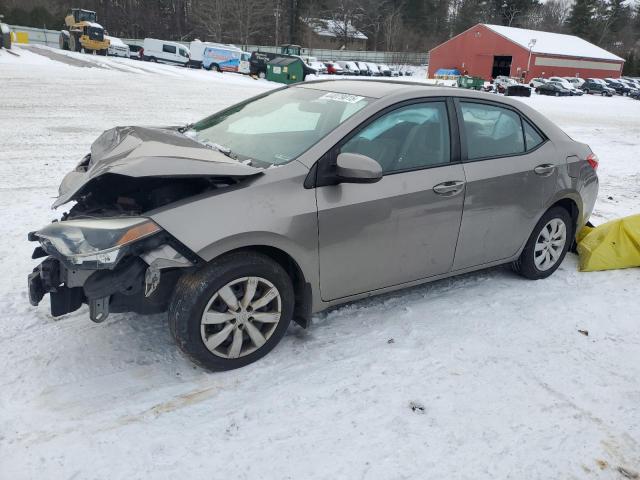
column 168, row 49
column 531, row 137
column 491, row 131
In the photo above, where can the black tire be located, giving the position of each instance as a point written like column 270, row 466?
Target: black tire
column 194, row 290
column 525, row 265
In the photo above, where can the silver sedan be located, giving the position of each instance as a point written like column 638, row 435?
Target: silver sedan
column 304, row 198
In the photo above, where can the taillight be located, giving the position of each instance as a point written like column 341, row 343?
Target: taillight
column 593, row 161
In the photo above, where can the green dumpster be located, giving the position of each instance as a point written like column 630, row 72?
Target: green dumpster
column 475, row 83
column 285, row 70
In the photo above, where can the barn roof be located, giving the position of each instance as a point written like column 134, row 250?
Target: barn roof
column 553, row 43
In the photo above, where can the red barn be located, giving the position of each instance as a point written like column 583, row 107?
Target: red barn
column 490, row 50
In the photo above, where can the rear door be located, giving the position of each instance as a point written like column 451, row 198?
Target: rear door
column 511, row 172
column 404, row 227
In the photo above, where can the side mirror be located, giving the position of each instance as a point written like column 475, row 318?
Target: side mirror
column 356, row 168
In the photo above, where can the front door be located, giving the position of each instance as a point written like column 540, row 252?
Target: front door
column 404, row 227
column 511, row 173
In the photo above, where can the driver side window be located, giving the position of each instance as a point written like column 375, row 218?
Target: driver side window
column 410, row 137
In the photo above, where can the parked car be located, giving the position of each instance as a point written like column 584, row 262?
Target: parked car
column 394, row 72
column 633, row 87
column 349, row 68
column 634, row 81
column 568, row 85
column 592, row 86
column 163, row 51
column 518, row 90
column 384, row 70
column 575, row 81
column 536, row 82
column 135, row 52
column 117, row 48
column 553, row 88
column 373, row 68
column 334, row 69
column 318, row 66
column 155, row 226
column 364, row 69
column 620, row 87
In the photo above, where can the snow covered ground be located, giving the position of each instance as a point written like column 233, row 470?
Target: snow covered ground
column 483, row 376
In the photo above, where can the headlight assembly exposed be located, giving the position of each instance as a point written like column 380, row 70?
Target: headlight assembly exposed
column 97, row 243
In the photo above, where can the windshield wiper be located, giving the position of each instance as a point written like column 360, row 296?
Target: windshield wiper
column 220, row 148
column 188, row 126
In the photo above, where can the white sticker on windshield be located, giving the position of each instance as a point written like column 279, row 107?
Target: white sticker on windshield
column 341, row 97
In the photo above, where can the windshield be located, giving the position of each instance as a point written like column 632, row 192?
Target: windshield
column 275, row 129
column 86, row 16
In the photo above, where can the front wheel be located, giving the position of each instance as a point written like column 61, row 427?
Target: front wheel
column 233, row 311
column 547, row 245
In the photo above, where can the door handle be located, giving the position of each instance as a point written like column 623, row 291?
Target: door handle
column 449, row 188
column 545, row 169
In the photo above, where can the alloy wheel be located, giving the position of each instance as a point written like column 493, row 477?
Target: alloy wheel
column 240, row 317
column 550, row 244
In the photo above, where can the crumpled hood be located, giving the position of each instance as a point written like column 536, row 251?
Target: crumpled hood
column 149, row 152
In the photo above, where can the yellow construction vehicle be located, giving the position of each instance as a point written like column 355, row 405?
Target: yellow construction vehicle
column 83, row 33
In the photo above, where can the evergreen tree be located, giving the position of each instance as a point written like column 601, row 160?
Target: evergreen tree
column 581, row 19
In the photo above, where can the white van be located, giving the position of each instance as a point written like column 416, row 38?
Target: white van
column 117, row 47
column 165, row 52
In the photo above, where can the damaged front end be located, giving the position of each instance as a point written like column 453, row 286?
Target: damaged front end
column 105, row 251
column 114, row 265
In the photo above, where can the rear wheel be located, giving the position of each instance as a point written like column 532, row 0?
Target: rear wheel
column 74, row 43
column 547, row 245
column 63, row 41
column 233, row 311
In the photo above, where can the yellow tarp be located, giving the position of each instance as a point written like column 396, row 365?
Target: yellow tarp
column 615, row 244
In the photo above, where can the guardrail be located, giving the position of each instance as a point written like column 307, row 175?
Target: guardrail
column 38, row 36
column 43, row 36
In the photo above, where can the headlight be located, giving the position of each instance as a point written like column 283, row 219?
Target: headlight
column 98, row 243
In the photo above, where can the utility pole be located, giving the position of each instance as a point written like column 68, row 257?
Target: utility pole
column 276, row 13
column 532, row 43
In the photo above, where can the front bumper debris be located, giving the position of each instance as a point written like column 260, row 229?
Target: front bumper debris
column 46, row 278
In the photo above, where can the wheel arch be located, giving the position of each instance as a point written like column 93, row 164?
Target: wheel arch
column 571, row 206
column 302, row 283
